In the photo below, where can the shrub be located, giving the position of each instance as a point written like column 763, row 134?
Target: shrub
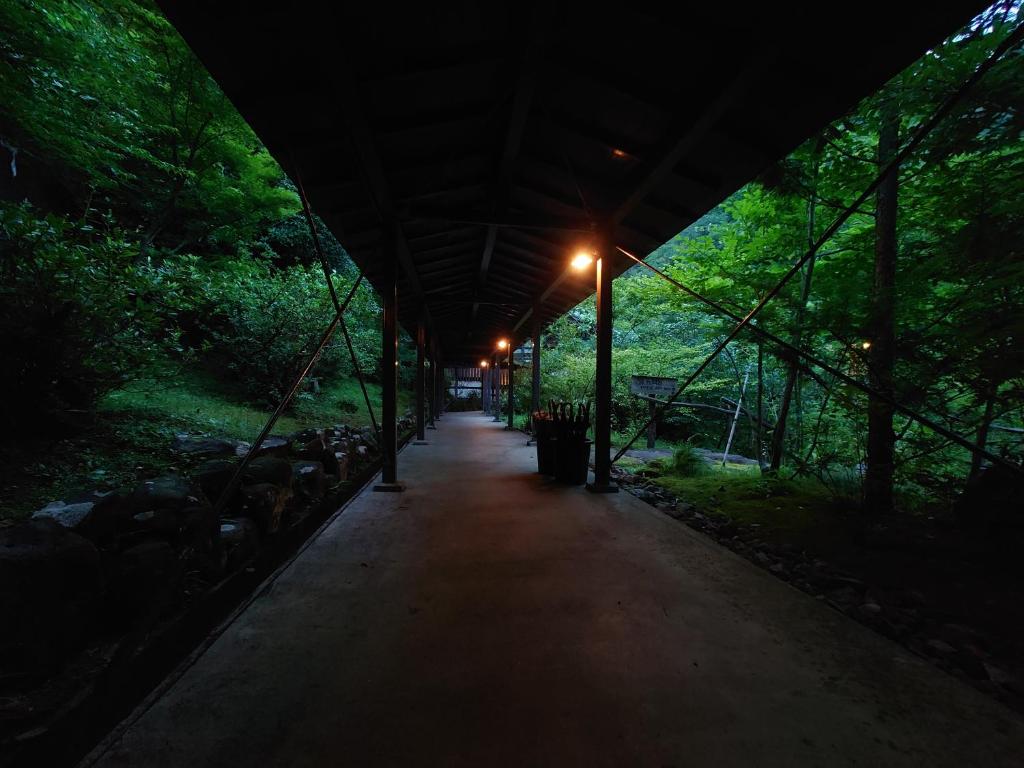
column 686, row 462
column 254, row 326
column 80, row 315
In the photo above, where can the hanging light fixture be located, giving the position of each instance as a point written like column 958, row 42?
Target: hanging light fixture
column 582, row 260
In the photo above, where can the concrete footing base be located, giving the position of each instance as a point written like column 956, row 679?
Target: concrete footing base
column 602, row 488
column 389, row 487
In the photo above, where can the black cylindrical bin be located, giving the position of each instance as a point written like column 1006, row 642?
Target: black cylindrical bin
column 572, row 460
column 546, row 448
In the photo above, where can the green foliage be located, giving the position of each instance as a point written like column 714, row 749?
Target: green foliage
column 687, row 462
column 81, row 313
column 959, row 297
column 85, row 312
column 121, row 113
column 258, row 325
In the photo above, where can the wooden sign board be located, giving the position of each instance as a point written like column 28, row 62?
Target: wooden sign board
column 653, row 386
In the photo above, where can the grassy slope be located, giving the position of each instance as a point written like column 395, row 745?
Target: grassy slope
column 130, row 439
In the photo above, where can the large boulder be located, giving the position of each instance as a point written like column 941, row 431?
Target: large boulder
column 343, row 445
column 265, row 503
column 204, row 446
column 199, row 541
column 162, row 523
column 268, row 469
column 308, row 480
column 69, row 515
column 240, row 539
column 168, row 492
column 303, row 436
column 213, row 477
column 142, row 579
column 313, row 450
column 110, row 517
column 49, row 588
column 274, row 445
column 336, row 465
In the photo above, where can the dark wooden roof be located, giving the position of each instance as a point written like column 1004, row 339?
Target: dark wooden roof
column 477, row 142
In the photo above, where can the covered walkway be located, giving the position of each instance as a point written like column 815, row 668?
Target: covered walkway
column 486, row 617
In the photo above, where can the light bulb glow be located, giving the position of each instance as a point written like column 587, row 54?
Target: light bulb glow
column 502, row 343
column 483, row 363
column 581, row 261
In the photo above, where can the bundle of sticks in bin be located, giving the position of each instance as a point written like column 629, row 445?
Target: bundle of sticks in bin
column 570, row 421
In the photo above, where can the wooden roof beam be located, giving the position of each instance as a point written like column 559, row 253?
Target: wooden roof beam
column 681, row 141
column 373, row 170
column 522, row 100
column 649, row 175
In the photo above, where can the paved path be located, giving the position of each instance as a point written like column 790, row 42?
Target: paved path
column 488, row 618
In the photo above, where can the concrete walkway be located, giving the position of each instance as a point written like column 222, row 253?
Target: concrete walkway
column 488, row 618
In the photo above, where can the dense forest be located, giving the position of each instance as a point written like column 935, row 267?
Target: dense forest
column 920, row 294
column 159, row 274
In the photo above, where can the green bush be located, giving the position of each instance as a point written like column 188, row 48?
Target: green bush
column 80, row 315
column 686, row 462
column 254, row 326
column 84, row 311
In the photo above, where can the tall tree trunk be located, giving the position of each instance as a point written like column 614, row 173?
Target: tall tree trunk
column 982, row 435
column 878, row 480
column 779, row 433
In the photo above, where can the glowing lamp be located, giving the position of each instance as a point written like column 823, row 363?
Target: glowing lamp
column 581, row 261
column 866, row 345
column 502, row 343
column 483, row 363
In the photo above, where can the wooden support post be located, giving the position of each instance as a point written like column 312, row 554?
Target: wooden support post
column 535, row 382
column 603, row 374
column 389, row 386
column 439, row 387
column 511, row 381
column 431, row 392
column 496, row 365
column 421, row 359
column 652, row 428
column 485, row 389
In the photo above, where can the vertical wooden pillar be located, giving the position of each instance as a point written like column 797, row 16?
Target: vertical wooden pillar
column 496, row 367
column 421, row 359
column 485, row 389
column 535, row 380
column 438, row 387
column 432, row 389
column 603, row 373
column 442, row 389
column 511, row 381
column 389, row 386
